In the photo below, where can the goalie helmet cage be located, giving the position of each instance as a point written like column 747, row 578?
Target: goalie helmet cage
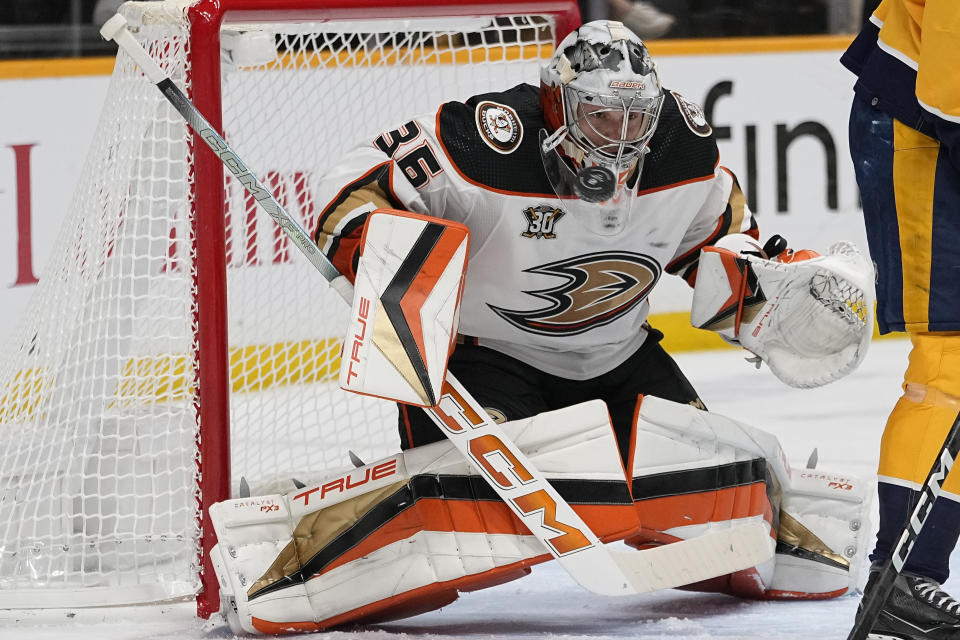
column 176, row 342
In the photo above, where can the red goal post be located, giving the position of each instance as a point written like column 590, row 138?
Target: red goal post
column 176, row 343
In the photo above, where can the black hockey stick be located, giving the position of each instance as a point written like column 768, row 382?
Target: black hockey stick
column 873, row 601
column 594, row 565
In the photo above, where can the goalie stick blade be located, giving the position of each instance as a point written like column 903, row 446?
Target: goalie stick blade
column 600, row 569
column 701, row 558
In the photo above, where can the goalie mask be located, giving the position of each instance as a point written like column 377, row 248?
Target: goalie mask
column 601, row 100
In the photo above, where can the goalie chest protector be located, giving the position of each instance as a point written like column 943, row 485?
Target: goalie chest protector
column 543, row 286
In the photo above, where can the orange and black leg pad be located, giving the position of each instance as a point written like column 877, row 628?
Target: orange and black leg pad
column 695, row 471
column 406, row 534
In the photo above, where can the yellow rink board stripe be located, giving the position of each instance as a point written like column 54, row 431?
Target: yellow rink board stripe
column 170, row 377
column 679, row 336
column 97, row 66
column 771, row 44
column 55, row 68
column 161, row 378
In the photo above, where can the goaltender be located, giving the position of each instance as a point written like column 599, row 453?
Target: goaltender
column 578, row 196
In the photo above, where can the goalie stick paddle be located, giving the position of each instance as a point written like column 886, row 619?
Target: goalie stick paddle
column 873, row 601
column 528, row 494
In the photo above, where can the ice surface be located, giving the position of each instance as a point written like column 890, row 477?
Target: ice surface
column 843, row 420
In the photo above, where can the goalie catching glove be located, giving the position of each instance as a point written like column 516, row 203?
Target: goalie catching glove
column 808, row 316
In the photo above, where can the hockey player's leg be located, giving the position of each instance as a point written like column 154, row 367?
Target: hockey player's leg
column 404, row 535
column 650, row 371
column 505, row 387
column 913, row 437
column 909, row 185
column 694, row 472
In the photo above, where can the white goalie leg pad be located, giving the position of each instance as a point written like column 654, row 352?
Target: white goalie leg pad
column 821, row 518
column 823, row 536
column 395, row 538
column 694, row 472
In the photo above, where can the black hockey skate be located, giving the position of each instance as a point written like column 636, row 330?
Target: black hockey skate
column 917, row 609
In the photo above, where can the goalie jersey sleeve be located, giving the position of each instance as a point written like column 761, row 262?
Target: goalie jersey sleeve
column 541, row 286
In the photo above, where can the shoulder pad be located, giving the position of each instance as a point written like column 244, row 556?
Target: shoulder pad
column 493, row 139
column 682, row 148
column 693, row 115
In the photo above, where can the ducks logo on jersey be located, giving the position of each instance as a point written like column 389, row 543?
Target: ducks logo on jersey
column 597, row 289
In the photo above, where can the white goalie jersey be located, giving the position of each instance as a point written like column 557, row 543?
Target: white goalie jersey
column 541, row 286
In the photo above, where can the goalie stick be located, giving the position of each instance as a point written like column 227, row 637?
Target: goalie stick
column 528, row 494
column 873, row 601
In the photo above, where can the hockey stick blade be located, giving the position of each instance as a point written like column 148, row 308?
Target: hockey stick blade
column 701, row 558
column 531, row 498
column 873, row 601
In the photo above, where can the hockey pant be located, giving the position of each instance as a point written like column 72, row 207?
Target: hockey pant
column 406, row 534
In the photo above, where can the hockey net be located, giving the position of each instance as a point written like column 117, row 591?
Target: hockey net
column 176, row 341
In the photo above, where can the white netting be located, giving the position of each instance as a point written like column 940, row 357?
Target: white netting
column 98, row 388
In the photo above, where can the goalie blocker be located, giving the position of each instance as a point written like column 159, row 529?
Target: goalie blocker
column 406, row 534
column 406, row 302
